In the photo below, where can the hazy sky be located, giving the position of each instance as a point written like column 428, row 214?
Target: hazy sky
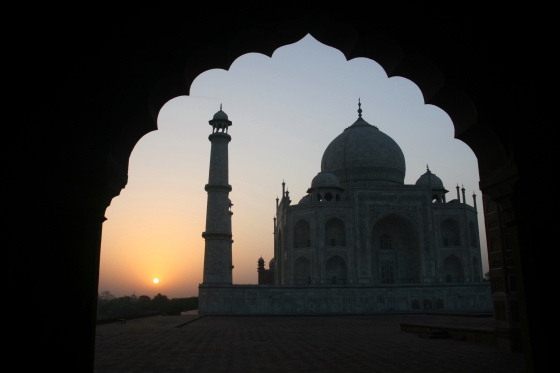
column 285, row 111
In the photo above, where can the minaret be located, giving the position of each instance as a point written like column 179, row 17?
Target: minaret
column 217, row 251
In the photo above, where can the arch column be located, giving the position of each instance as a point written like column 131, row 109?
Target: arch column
column 511, row 327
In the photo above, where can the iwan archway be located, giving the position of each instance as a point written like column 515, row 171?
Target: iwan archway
column 465, row 115
column 444, row 68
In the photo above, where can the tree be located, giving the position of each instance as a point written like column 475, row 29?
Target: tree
column 106, row 295
column 160, row 302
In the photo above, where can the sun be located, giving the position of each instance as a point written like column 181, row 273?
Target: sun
column 156, row 280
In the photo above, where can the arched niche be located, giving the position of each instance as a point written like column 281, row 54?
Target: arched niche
column 302, row 234
column 335, row 232
column 397, row 234
column 302, row 271
column 450, row 233
column 335, row 270
column 427, row 304
column 453, row 269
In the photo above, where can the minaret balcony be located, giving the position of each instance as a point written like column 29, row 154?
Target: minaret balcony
column 217, row 188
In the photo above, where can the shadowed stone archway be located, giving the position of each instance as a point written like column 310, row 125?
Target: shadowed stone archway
column 108, row 74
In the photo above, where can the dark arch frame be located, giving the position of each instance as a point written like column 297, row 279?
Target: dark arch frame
column 304, row 279
column 341, row 275
column 127, row 85
column 338, row 224
column 302, row 234
column 450, row 231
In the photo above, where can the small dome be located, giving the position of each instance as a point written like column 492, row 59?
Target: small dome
column 271, row 263
column 220, row 115
column 304, row 200
column 430, row 179
column 261, row 260
column 325, row 180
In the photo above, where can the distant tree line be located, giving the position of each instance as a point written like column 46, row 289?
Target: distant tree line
column 109, row 306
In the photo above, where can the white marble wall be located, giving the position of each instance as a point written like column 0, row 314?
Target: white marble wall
column 345, row 299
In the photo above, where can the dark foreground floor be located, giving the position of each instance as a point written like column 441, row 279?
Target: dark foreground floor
column 372, row 343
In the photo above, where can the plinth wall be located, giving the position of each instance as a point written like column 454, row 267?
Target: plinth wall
column 341, row 299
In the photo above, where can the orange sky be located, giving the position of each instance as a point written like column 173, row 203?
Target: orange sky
column 285, row 111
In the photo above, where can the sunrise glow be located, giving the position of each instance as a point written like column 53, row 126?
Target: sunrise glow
column 154, row 226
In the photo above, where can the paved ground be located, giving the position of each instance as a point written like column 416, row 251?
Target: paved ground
column 370, row 343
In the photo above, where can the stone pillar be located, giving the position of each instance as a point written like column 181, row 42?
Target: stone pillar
column 501, row 235
column 464, row 199
column 217, row 253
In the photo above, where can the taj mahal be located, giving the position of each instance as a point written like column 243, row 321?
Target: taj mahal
column 360, row 241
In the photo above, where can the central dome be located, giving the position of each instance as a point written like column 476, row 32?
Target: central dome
column 363, row 153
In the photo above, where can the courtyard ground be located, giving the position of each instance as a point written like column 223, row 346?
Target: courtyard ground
column 365, row 343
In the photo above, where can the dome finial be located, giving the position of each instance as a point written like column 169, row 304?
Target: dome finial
column 220, row 106
column 427, row 168
column 359, row 108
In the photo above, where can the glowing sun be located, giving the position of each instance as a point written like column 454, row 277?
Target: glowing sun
column 156, row 280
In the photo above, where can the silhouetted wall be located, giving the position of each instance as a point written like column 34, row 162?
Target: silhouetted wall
column 89, row 83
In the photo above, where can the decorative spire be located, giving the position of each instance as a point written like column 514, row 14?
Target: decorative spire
column 359, row 108
column 220, row 106
column 428, row 169
column 360, row 121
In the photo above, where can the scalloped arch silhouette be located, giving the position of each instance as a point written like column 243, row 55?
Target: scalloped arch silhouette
column 419, row 69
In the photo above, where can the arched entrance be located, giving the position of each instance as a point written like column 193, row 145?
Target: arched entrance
column 302, row 271
column 453, row 269
column 395, row 250
column 128, row 82
column 335, row 232
column 450, row 233
column 302, row 235
column 335, row 270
